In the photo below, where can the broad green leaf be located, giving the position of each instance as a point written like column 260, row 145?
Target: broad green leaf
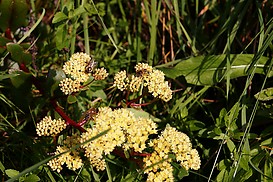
column 231, row 145
column 222, row 175
column 208, row 70
column 242, row 175
column 224, row 164
column 143, row 114
column 128, row 178
column 2, row 77
column 13, row 14
column 71, row 99
column 76, row 12
column 2, row 167
column 21, row 91
column 99, row 93
column 266, row 142
column 60, row 16
column 62, row 37
column 53, row 79
column 98, row 9
column 18, row 53
column 195, row 125
column 268, row 170
column 32, row 178
column 232, row 116
column 11, row 173
column 265, row 94
column 86, row 175
column 179, row 171
column 21, row 80
column 244, row 162
column 3, row 42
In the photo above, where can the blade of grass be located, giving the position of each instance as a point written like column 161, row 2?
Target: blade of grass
column 153, row 21
column 249, row 124
column 85, row 30
column 189, row 40
column 108, row 173
column 104, row 27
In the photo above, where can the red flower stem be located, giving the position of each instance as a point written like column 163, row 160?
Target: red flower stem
column 121, row 154
column 82, row 86
column 67, row 119
column 144, row 104
column 53, row 102
column 134, row 100
column 133, row 153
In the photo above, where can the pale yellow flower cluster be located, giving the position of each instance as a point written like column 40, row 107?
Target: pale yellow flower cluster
column 100, row 74
column 153, row 79
column 68, row 86
column 126, row 131
column 49, row 127
column 71, row 159
column 79, row 68
column 76, row 66
column 174, row 142
column 158, row 86
column 120, row 80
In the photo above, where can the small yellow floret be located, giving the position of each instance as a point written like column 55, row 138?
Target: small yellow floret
column 100, row 74
column 49, row 127
column 68, row 86
column 121, row 80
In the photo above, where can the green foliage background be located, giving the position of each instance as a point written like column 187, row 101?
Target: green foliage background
column 217, row 56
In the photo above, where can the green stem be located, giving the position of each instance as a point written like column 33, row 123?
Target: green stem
column 85, row 31
column 108, row 173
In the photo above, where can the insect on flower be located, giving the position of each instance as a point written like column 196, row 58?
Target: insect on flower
column 88, row 115
column 90, row 66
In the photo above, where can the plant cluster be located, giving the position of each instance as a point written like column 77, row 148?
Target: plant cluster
column 143, row 90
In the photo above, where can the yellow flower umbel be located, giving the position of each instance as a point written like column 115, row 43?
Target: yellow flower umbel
column 68, row 86
column 153, row 79
column 49, row 127
column 126, row 131
column 76, row 67
column 100, row 74
column 174, row 142
column 79, row 68
column 71, row 159
column 120, row 80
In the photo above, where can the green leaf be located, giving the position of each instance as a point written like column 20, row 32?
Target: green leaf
column 32, row 178
column 13, row 14
column 11, row 173
column 3, row 42
column 71, row 99
column 208, row 70
column 2, row 167
column 100, row 93
column 18, row 53
column 53, row 79
column 2, row 77
column 77, row 12
column 195, row 125
column 60, row 16
column 265, row 94
column 20, row 80
column 231, row 145
column 143, row 114
column 21, row 90
column 222, row 175
column 62, row 37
